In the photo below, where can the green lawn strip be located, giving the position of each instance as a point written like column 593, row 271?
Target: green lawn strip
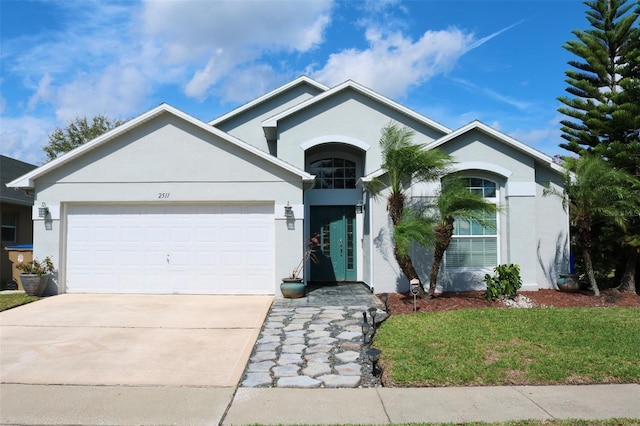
column 511, row 346
column 11, row 300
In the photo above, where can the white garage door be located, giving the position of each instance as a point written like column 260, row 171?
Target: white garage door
column 167, row 249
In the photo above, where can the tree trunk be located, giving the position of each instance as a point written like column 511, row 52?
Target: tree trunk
column 585, row 235
column 628, row 283
column 407, row 268
column 583, row 224
column 438, row 254
column 395, row 206
column 444, row 233
column 586, row 255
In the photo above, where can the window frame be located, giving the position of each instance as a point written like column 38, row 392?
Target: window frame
column 14, row 227
column 496, row 232
column 347, row 164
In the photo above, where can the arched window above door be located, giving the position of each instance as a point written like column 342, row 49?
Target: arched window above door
column 334, row 173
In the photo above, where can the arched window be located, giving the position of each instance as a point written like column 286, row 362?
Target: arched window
column 474, row 245
column 334, row 173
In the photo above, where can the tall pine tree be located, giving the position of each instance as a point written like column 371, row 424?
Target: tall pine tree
column 603, row 113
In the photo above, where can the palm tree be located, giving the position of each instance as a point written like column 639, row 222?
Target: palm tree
column 595, row 190
column 405, row 164
column 455, row 201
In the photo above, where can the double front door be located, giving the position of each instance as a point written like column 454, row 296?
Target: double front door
column 336, row 253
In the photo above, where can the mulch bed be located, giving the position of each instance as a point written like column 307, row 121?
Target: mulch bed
column 402, row 303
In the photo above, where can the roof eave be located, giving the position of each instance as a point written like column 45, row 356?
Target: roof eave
column 300, row 80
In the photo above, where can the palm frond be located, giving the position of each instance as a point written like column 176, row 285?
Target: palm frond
column 414, row 227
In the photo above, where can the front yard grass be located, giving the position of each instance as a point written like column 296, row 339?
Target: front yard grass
column 475, row 347
column 11, row 300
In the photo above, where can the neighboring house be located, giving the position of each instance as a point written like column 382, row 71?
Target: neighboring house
column 166, row 203
column 15, row 213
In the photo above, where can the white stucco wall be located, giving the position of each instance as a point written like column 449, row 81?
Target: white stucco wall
column 350, row 115
column 532, row 228
column 248, row 124
column 172, row 157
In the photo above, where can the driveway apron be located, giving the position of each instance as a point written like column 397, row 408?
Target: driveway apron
column 135, row 340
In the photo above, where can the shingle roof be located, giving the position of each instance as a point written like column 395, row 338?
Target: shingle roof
column 10, row 169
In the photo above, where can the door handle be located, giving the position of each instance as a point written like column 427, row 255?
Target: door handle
column 341, row 247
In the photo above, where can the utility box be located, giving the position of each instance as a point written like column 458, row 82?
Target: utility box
column 19, row 254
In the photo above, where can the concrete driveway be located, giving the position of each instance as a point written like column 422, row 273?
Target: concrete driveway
column 161, row 346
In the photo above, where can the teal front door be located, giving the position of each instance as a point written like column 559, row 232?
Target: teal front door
column 336, row 253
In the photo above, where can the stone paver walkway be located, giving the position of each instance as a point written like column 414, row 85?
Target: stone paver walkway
column 315, row 341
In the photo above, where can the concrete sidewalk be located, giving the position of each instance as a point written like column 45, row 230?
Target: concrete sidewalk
column 437, row 405
column 163, row 405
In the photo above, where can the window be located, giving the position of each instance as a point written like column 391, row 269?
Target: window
column 334, row 173
column 9, row 221
column 474, row 245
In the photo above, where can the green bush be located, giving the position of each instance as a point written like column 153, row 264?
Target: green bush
column 505, row 282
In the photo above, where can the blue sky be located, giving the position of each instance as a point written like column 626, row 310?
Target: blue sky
column 500, row 62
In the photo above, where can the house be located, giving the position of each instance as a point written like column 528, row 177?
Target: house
column 166, row 203
column 15, row 214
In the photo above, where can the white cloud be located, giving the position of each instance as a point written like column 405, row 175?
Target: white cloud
column 116, row 92
column 396, row 55
column 220, row 37
column 23, row 138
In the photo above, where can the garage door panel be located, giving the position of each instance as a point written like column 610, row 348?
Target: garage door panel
column 198, row 249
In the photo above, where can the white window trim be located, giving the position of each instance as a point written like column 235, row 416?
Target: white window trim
column 495, row 200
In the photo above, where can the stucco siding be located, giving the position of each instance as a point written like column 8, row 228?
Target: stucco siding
column 477, row 146
column 349, row 114
column 248, row 124
column 532, row 229
column 552, row 224
column 168, row 161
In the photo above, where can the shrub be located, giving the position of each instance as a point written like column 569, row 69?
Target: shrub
column 36, row 267
column 505, row 282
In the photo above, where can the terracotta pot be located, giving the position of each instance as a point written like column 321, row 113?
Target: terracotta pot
column 34, row 285
column 292, row 288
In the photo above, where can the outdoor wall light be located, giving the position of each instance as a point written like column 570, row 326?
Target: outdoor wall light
column 359, row 207
column 288, row 211
column 374, row 356
column 43, row 210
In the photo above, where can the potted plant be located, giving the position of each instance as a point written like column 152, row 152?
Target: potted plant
column 568, row 283
column 293, row 287
column 35, row 275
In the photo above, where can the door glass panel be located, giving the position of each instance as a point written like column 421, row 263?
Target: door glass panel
column 350, row 245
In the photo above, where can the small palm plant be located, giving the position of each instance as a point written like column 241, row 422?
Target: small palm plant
column 455, row 201
column 593, row 189
column 406, row 164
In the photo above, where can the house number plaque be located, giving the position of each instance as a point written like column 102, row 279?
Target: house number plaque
column 163, row 194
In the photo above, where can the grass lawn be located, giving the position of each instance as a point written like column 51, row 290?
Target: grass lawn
column 511, row 346
column 11, row 300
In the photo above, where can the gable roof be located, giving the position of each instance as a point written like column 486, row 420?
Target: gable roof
column 298, row 81
column 478, row 125
column 352, row 85
column 27, row 180
column 502, row 137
